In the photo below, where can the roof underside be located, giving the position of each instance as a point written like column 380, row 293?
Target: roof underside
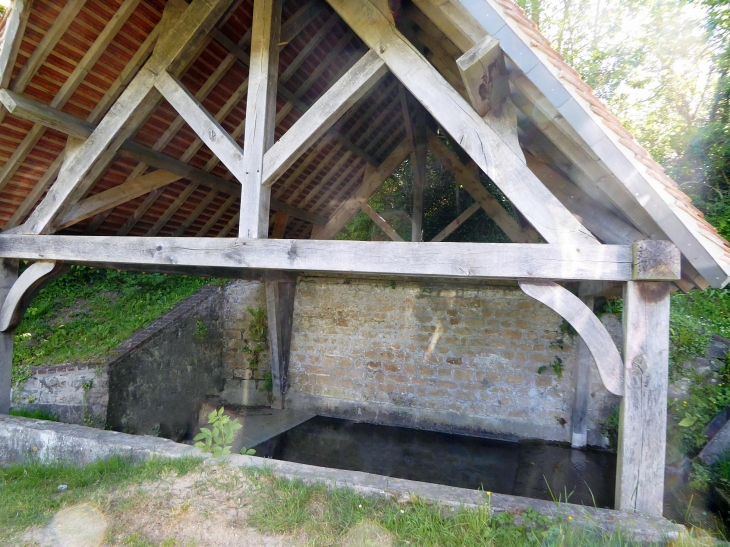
column 319, row 49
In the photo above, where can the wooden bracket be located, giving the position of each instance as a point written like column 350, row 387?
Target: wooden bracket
column 583, row 320
column 25, row 288
column 485, row 75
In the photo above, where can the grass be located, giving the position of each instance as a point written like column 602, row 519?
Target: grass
column 34, row 414
column 324, row 516
column 87, row 312
column 29, row 493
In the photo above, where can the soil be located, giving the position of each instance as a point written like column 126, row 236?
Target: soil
column 205, row 508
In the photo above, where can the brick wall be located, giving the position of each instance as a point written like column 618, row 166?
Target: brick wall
column 424, row 354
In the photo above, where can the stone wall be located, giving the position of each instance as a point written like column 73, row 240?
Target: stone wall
column 456, row 358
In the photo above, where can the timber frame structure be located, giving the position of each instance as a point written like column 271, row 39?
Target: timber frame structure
column 235, row 138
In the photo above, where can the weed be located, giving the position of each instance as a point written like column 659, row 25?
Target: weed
column 217, row 440
column 268, row 385
column 33, row 414
column 609, row 427
column 258, row 341
column 556, row 365
column 247, row 451
column 201, row 330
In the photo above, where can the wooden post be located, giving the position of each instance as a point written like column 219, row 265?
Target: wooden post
column 579, row 436
column 8, row 276
column 643, row 422
column 260, row 117
column 419, row 174
column 280, row 312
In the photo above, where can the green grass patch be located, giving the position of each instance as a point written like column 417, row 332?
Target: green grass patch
column 30, row 495
column 325, row 516
column 34, row 414
column 87, row 312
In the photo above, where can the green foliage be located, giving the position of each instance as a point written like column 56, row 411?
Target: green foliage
column 556, row 365
column 33, row 414
column 201, row 330
column 709, row 308
column 30, row 494
column 688, row 339
column 217, row 440
column 258, row 340
column 268, row 385
column 247, row 451
column 689, row 418
column 87, row 312
column 609, row 427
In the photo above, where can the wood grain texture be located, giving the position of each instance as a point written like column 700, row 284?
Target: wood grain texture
column 583, row 320
column 280, row 314
column 657, row 261
column 477, row 260
column 318, row 119
column 260, row 117
column 643, row 420
column 24, row 289
column 12, row 38
column 8, row 276
column 488, row 150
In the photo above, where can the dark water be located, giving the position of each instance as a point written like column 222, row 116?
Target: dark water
column 520, row 469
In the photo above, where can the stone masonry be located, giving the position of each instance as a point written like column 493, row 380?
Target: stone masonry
column 456, row 358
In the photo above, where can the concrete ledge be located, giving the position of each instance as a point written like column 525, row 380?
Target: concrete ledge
column 22, row 439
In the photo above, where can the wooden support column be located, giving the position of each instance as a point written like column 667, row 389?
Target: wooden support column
column 579, row 434
column 280, row 311
column 419, row 174
column 643, row 422
column 260, row 117
column 8, row 276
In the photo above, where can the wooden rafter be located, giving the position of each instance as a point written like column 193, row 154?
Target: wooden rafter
column 380, row 222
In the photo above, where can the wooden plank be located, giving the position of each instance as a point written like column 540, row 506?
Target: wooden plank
column 479, row 140
column 643, row 418
column 12, row 38
column 30, row 109
column 322, row 115
column 280, row 222
column 461, row 219
column 230, row 226
column 373, row 179
column 216, row 217
column 484, row 74
column 260, row 117
column 280, row 313
column 8, row 276
column 172, row 53
column 583, row 320
column 380, row 222
column 139, row 212
column 202, row 206
column 108, row 199
column 582, row 393
column 171, row 209
column 471, row 183
column 24, row 289
column 463, row 260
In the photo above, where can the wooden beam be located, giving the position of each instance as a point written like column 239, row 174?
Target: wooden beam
column 108, row 199
column 215, row 217
column 373, row 179
column 643, row 417
column 280, row 314
column 598, row 219
column 657, row 260
column 260, row 117
column 418, row 167
column 172, row 53
column 471, row 183
column 591, row 330
column 461, row 219
column 463, row 260
column 192, row 217
column 280, row 222
column 24, row 289
column 171, row 210
column 479, row 140
column 484, row 74
column 30, row 109
column 582, row 393
column 322, row 115
column 8, row 276
column 12, row 38
column 380, row 222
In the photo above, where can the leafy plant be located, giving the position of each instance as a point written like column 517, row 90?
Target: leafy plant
column 268, row 385
column 609, row 427
column 258, row 341
column 201, row 330
column 556, row 365
column 247, row 451
column 218, row 438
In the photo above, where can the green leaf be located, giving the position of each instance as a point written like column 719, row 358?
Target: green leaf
column 541, row 369
column 689, row 421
